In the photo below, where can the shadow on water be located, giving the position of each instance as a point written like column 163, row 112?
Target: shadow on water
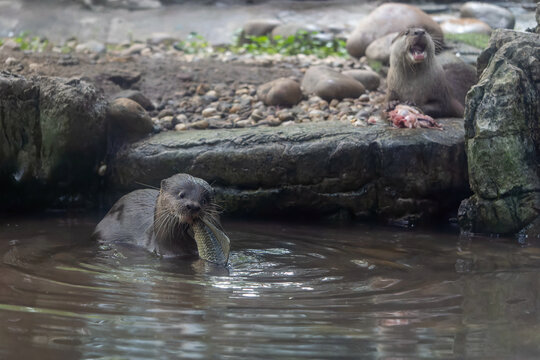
column 291, row 291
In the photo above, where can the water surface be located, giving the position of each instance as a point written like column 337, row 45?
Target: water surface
column 290, row 292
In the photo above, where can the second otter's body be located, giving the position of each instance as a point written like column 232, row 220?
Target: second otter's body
column 415, row 76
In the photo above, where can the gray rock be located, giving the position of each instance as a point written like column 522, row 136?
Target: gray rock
column 128, row 120
column 495, row 16
column 259, row 27
column 91, row 46
column 10, row 45
column 330, row 84
column 51, row 139
column 386, row 19
column 159, row 38
column 370, row 79
column 465, row 26
column 286, row 30
column 282, row 92
column 379, row 49
column 323, row 167
column 502, row 136
column 136, row 96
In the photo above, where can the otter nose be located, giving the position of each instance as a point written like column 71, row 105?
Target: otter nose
column 419, row 32
column 193, row 207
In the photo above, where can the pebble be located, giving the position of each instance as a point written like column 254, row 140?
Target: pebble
column 209, row 112
column 10, row 61
column 200, row 125
column 257, row 115
column 180, row 127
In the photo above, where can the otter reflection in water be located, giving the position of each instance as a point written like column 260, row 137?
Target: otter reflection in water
column 178, row 220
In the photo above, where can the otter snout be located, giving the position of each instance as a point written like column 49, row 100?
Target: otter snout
column 193, row 208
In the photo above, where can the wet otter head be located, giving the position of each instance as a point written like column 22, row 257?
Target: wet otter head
column 185, row 198
column 412, row 46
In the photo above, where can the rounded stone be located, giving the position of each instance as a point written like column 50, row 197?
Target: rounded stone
column 465, row 26
column 281, row 92
column 330, row 84
column 386, row 19
column 370, row 79
column 209, row 112
column 260, row 27
column 379, row 49
column 495, row 16
column 136, row 96
column 91, row 46
column 128, row 119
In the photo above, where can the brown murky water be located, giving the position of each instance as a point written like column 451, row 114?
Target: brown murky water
column 290, row 292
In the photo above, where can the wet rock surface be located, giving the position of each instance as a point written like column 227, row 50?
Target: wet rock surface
column 53, row 137
column 503, row 136
column 403, row 175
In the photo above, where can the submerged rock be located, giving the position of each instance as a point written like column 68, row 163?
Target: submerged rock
column 502, row 122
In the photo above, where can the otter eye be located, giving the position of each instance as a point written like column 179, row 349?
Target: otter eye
column 407, row 32
column 181, row 195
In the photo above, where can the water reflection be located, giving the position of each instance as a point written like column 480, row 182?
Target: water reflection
column 290, row 291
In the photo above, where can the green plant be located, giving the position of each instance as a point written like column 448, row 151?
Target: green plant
column 376, row 65
column 31, row 43
column 194, row 44
column 479, row 41
column 302, row 43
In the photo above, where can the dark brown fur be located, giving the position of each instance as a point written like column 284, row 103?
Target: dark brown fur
column 159, row 220
column 425, row 83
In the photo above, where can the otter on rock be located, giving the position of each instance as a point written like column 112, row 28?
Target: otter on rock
column 178, row 220
column 415, row 76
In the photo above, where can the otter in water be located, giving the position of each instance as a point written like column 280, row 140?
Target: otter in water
column 178, row 220
column 415, row 76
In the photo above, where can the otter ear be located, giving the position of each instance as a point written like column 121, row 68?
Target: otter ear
column 163, row 183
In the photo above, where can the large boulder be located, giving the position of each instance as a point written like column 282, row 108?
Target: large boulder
column 330, row 84
column 386, row 19
column 52, row 137
column 322, row 168
column 495, row 16
column 502, row 122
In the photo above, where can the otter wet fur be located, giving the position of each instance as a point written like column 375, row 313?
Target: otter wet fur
column 416, row 77
column 162, row 221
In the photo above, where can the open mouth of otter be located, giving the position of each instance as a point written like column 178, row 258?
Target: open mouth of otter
column 417, row 51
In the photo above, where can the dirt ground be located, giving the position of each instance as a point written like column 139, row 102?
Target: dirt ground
column 157, row 78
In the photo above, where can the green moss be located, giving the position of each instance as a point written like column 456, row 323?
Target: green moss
column 479, row 41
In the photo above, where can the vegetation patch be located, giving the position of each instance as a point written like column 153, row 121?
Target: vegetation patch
column 479, row 41
column 308, row 43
